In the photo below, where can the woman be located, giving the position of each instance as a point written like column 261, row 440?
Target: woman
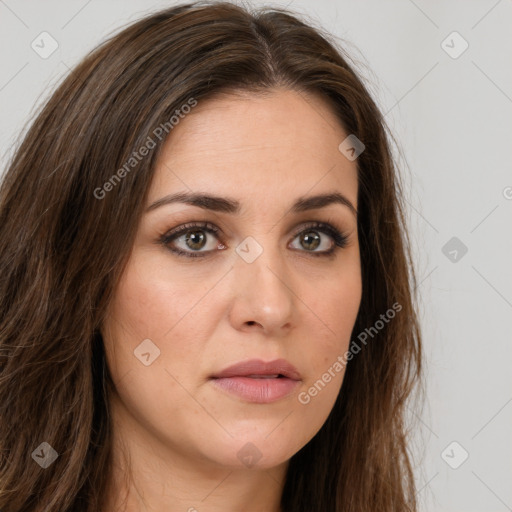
column 207, row 290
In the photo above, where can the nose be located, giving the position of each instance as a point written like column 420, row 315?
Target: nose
column 262, row 292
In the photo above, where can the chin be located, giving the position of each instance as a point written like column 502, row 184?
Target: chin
column 253, row 452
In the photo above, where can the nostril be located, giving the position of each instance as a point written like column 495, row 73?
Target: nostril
column 253, row 322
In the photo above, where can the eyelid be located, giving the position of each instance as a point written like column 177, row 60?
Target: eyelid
column 340, row 236
column 188, row 226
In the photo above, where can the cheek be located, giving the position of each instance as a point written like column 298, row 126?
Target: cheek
column 156, row 314
column 336, row 311
column 154, row 297
column 335, row 305
column 152, row 303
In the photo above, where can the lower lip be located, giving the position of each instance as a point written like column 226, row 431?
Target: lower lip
column 261, row 391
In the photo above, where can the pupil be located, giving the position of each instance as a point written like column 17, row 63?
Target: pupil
column 196, row 237
column 312, row 238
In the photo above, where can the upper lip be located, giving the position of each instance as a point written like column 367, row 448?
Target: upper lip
column 259, row 367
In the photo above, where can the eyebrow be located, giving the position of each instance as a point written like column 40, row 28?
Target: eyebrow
column 232, row 206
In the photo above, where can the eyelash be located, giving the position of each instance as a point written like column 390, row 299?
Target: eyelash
column 340, row 239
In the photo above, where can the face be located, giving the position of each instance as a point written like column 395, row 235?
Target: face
column 257, row 275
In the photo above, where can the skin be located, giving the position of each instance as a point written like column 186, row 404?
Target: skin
column 181, row 434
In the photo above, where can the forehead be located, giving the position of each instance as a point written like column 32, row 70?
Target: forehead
column 259, row 148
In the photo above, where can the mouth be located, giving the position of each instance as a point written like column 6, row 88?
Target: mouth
column 265, row 376
column 257, row 381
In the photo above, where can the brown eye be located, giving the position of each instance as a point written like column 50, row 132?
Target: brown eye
column 192, row 239
column 310, row 240
column 195, row 240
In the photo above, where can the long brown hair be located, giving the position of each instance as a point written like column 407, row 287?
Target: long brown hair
column 63, row 249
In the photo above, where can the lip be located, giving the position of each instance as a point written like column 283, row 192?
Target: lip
column 255, row 380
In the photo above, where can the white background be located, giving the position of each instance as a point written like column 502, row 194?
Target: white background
column 452, row 117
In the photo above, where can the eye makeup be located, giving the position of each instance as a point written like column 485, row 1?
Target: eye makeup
column 187, row 231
